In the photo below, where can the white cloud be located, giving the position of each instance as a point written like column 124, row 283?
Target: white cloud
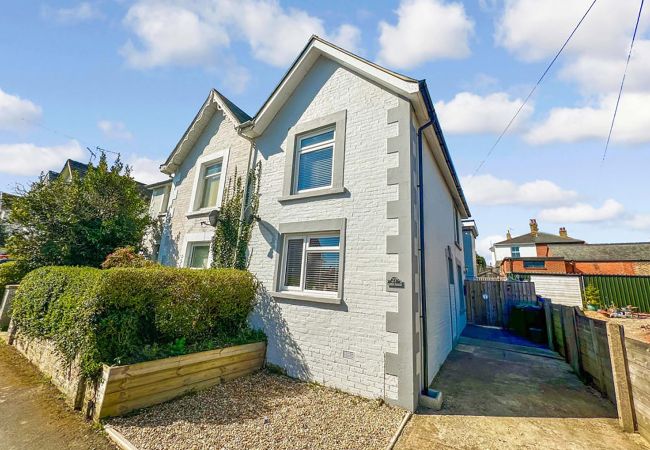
column 276, row 35
column 583, row 212
column 593, row 122
column 114, row 130
column 82, row 12
column 535, row 29
column 145, row 170
column 595, row 73
column 194, row 33
column 483, row 245
column 639, row 222
column 471, row 113
column 425, row 30
column 490, row 190
column 16, row 113
column 171, row 34
column 30, row 159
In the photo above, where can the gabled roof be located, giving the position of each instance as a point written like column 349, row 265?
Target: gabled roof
column 540, row 238
column 75, row 166
column 213, row 103
column 415, row 91
column 632, row 251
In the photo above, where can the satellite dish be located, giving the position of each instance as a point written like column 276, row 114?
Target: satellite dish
column 213, row 217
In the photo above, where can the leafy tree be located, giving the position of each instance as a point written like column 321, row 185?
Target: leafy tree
column 233, row 233
column 78, row 222
column 3, row 233
column 480, row 262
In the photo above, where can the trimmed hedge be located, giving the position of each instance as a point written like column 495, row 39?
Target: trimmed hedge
column 117, row 316
column 10, row 273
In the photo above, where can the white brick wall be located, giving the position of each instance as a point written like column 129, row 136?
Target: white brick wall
column 219, row 134
column 308, row 339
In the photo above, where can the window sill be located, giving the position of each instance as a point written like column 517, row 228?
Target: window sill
column 312, row 194
column 200, row 213
column 284, row 295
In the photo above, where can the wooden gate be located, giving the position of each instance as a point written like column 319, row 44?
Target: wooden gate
column 490, row 302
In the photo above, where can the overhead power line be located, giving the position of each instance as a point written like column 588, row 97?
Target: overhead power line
column 530, row 94
column 620, row 90
column 68, row 136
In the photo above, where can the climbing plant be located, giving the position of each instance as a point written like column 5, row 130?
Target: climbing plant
column 236, row 220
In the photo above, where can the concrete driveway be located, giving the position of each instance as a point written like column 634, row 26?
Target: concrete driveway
column 496, row 398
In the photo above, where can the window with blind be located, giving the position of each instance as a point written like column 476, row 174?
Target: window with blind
column 311, row 263
column 315, row 160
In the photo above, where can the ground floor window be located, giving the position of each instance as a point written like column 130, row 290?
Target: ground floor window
column 311, row 263
column 199, row 253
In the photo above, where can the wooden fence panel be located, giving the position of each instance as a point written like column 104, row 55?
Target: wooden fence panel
column 501, row 297
column 638, row 360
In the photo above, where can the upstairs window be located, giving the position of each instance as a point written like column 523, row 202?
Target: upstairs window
column 208, row 186
column 159, row 200
column 514, row 252
column 315, row 156
column 211, row 179
column 456, row 227
column 311, row 263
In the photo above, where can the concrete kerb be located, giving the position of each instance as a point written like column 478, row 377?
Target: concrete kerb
column 118, row 438
column 399, row 431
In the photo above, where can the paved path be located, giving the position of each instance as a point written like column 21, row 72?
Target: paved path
column 33, row 415
column 499, row 399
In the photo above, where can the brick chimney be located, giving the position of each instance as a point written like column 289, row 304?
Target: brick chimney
column 533, row 227
column 563, row 232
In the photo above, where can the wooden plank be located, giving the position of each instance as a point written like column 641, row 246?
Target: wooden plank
column 117, row 384
column 176, row 361
column 147, row 390
column 125, row 407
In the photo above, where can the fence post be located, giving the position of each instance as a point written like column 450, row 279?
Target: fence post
column 549, row 323
column 571, row 339
column 621, row 373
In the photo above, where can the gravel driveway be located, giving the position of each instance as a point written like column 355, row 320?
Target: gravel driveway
column 263, row 411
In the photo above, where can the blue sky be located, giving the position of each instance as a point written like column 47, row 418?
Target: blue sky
column 130, row 76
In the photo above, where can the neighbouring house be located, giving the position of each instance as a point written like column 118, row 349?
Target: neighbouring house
column 530, row 251
column 359, row 242
column 544, row 253
column 470, row 233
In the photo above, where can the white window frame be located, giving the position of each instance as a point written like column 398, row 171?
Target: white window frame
column 165, row 200
column 190, row 249
column 189, row 241
column 312, row 148
column 306, row 249
column 199, row 176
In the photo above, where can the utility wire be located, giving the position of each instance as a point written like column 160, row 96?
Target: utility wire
column 530, row 94
column 88, row 145
column 620, row 90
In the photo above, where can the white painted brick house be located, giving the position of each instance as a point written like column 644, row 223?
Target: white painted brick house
column 337, row 246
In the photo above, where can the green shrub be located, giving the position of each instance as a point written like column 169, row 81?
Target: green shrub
column 591, row 296
column 10, row 273
column 121, row 316
column 126, row 257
